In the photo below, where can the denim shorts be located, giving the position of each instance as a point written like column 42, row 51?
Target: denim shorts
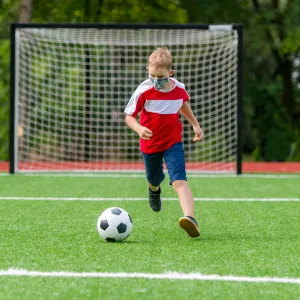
column 175, row 162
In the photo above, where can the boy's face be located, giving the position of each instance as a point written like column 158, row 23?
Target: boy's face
column 158, row 73
column 160, row 77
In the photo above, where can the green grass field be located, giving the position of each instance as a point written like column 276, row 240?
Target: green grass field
column 238, row 238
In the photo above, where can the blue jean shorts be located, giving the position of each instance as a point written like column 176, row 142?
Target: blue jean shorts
column 175, row 162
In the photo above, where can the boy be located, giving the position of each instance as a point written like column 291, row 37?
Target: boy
column 159, row 99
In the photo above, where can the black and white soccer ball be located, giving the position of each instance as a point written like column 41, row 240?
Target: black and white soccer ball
column 114, row 224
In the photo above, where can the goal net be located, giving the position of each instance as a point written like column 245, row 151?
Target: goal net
column 71, row 86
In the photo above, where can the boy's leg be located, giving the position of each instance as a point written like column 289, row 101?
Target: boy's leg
column 187, row 222
column 155, row 175
column 185, row 197
column 174, row 158
column 153, row 187
column 175, row 161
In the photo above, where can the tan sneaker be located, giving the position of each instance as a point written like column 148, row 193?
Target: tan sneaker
column 190, row 225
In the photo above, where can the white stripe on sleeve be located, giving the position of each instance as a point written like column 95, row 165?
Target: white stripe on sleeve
column 131, row 106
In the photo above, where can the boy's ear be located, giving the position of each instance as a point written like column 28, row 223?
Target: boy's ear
column 171, row 73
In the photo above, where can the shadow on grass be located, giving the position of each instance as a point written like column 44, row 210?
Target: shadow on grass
column 239, row 237
column 129, row 242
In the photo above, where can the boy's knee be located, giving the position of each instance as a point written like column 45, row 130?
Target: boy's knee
column 178, row 183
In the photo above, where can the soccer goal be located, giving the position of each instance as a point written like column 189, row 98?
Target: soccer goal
column 70, row 84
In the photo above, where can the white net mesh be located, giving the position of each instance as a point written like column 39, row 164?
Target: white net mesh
column 72, row 86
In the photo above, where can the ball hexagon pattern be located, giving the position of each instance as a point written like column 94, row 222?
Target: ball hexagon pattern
column 114, row 224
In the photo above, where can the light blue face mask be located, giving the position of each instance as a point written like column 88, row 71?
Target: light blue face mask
column 159, row 83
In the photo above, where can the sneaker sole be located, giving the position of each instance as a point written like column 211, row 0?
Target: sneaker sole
column 156, row 209
column 189, row 226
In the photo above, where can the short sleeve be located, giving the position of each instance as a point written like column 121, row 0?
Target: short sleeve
column 135, row 104
column 137, row 100
column 186, row 96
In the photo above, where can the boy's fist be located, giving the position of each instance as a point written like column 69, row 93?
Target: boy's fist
column 145, row 133
column 198, row 133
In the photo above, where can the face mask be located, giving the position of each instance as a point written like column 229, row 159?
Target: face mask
column 159, row 83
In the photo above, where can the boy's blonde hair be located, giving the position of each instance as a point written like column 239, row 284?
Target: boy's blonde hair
column 161, row 58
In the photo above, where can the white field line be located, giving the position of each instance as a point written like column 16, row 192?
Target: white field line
column 142, row 175
column 144, row 199
column 167, row 276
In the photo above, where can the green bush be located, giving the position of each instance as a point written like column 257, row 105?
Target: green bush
column 270, row 124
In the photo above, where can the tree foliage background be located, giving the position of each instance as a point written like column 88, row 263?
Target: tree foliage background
column 271, row 56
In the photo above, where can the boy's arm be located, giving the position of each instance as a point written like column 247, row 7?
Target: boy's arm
column 142, row 131
column 188, row 114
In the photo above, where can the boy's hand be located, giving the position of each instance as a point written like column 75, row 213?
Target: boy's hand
column 198, row 133
column 145, row 133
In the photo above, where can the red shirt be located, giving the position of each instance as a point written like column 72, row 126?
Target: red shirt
column 159, row 112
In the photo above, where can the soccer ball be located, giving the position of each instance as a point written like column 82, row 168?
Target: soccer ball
column 114, row 224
